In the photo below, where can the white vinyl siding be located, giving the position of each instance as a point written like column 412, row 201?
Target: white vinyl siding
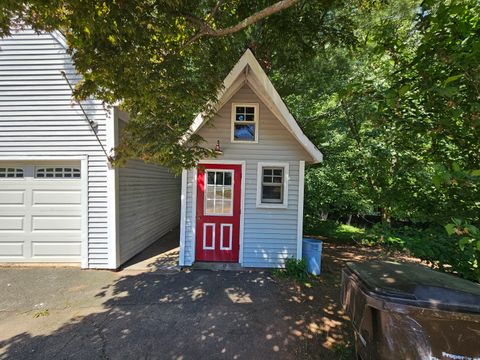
column 270, row 235
column 37, row 118
column 149, row 205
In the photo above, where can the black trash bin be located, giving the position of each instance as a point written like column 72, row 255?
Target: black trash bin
column 407, row 311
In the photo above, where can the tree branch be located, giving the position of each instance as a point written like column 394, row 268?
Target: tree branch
column 207, row 30
column 273, row 9
column 214, row 10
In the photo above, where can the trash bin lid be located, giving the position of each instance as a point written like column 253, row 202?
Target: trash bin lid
column 418, row 285
column 311, row 241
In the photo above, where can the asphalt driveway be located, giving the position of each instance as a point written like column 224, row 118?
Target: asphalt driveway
column 49, row 313
column 152, row 310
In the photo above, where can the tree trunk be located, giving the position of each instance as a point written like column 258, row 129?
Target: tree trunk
column 386, row 219
column 324, row 216
column 349, row 220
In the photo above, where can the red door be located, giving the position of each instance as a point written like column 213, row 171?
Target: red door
column 218, row 212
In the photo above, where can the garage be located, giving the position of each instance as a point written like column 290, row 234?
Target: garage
column 40, row 212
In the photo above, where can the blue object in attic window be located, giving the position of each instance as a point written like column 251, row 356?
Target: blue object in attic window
column 244, row 132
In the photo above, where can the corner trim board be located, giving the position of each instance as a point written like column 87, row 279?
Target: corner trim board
column 301, row 193
column 183, row 218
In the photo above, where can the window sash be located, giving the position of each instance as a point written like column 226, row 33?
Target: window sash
column 272, row 173
column 249, row 124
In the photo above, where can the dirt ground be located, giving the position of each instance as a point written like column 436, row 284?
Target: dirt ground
column 327, row 330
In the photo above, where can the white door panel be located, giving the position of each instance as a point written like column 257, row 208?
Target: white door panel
column 40, row 218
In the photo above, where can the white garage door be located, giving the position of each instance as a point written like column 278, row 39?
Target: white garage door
column 40, row 213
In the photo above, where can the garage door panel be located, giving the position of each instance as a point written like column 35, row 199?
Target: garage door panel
column 55, row 249
column 53, row 224
column 12, row 197
column 40, row 218
column 11, row 249
column 12, row 223
column 56, row 197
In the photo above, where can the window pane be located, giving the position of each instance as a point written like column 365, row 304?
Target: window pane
column 210, row 192
column 277, row 179
column 227, row 207
column 210, row 207
column 240, row 117
column 272, row 194
column 267, row 179
column 219, row 178
column 227, row 194
column 244, row 132
column 210, row 178
column 250, row 110
column 228, row 178
column 250, row 117
column 267, row 171
column 277, row 172
column 219, row 207
column 240, row 109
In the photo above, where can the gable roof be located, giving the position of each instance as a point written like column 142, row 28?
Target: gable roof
column 248, row 71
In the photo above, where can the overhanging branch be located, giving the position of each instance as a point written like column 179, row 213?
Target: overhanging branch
column 207, row 30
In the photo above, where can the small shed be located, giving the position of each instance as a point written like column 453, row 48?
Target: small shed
column 246, row 205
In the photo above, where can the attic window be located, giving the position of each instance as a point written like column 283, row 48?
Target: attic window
column 244, row 122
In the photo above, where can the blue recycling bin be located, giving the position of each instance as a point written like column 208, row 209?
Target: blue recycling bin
column 312, row 253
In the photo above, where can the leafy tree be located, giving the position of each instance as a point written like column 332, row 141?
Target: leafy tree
column 164, row 60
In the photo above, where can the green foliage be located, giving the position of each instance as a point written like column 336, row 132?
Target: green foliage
column 148, row 56
column 294, row 269
column 397, row 114
column 468, row 238
column 456, row 250
column 333, row 230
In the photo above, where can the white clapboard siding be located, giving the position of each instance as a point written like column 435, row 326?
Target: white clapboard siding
column 149, row 205
column 270, row 235
column 38, row 118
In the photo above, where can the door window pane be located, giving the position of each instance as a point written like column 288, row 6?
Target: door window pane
column 219, row 192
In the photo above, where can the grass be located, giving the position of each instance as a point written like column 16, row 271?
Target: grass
column 335, row 232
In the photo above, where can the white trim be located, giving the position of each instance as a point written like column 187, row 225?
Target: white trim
column 204, row 244
column 194, row 213
column 84, row 191
column 57, row 35
column 183, row 218
column 301, row 193
column 262, row 84
column 286, row 180
column 113, row 241
column 233, row 121
column 242, row 202
column 230, row 237
column 84, row 179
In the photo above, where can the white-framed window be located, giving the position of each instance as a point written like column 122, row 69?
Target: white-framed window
column 245, row 122
column 64, row 172
column 272, row 185
column 11, row 172
column 219, row 192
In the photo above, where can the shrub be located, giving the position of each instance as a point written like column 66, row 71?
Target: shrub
column 294, row 269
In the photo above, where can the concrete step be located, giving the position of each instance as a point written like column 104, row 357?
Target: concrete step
column 216, row 266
